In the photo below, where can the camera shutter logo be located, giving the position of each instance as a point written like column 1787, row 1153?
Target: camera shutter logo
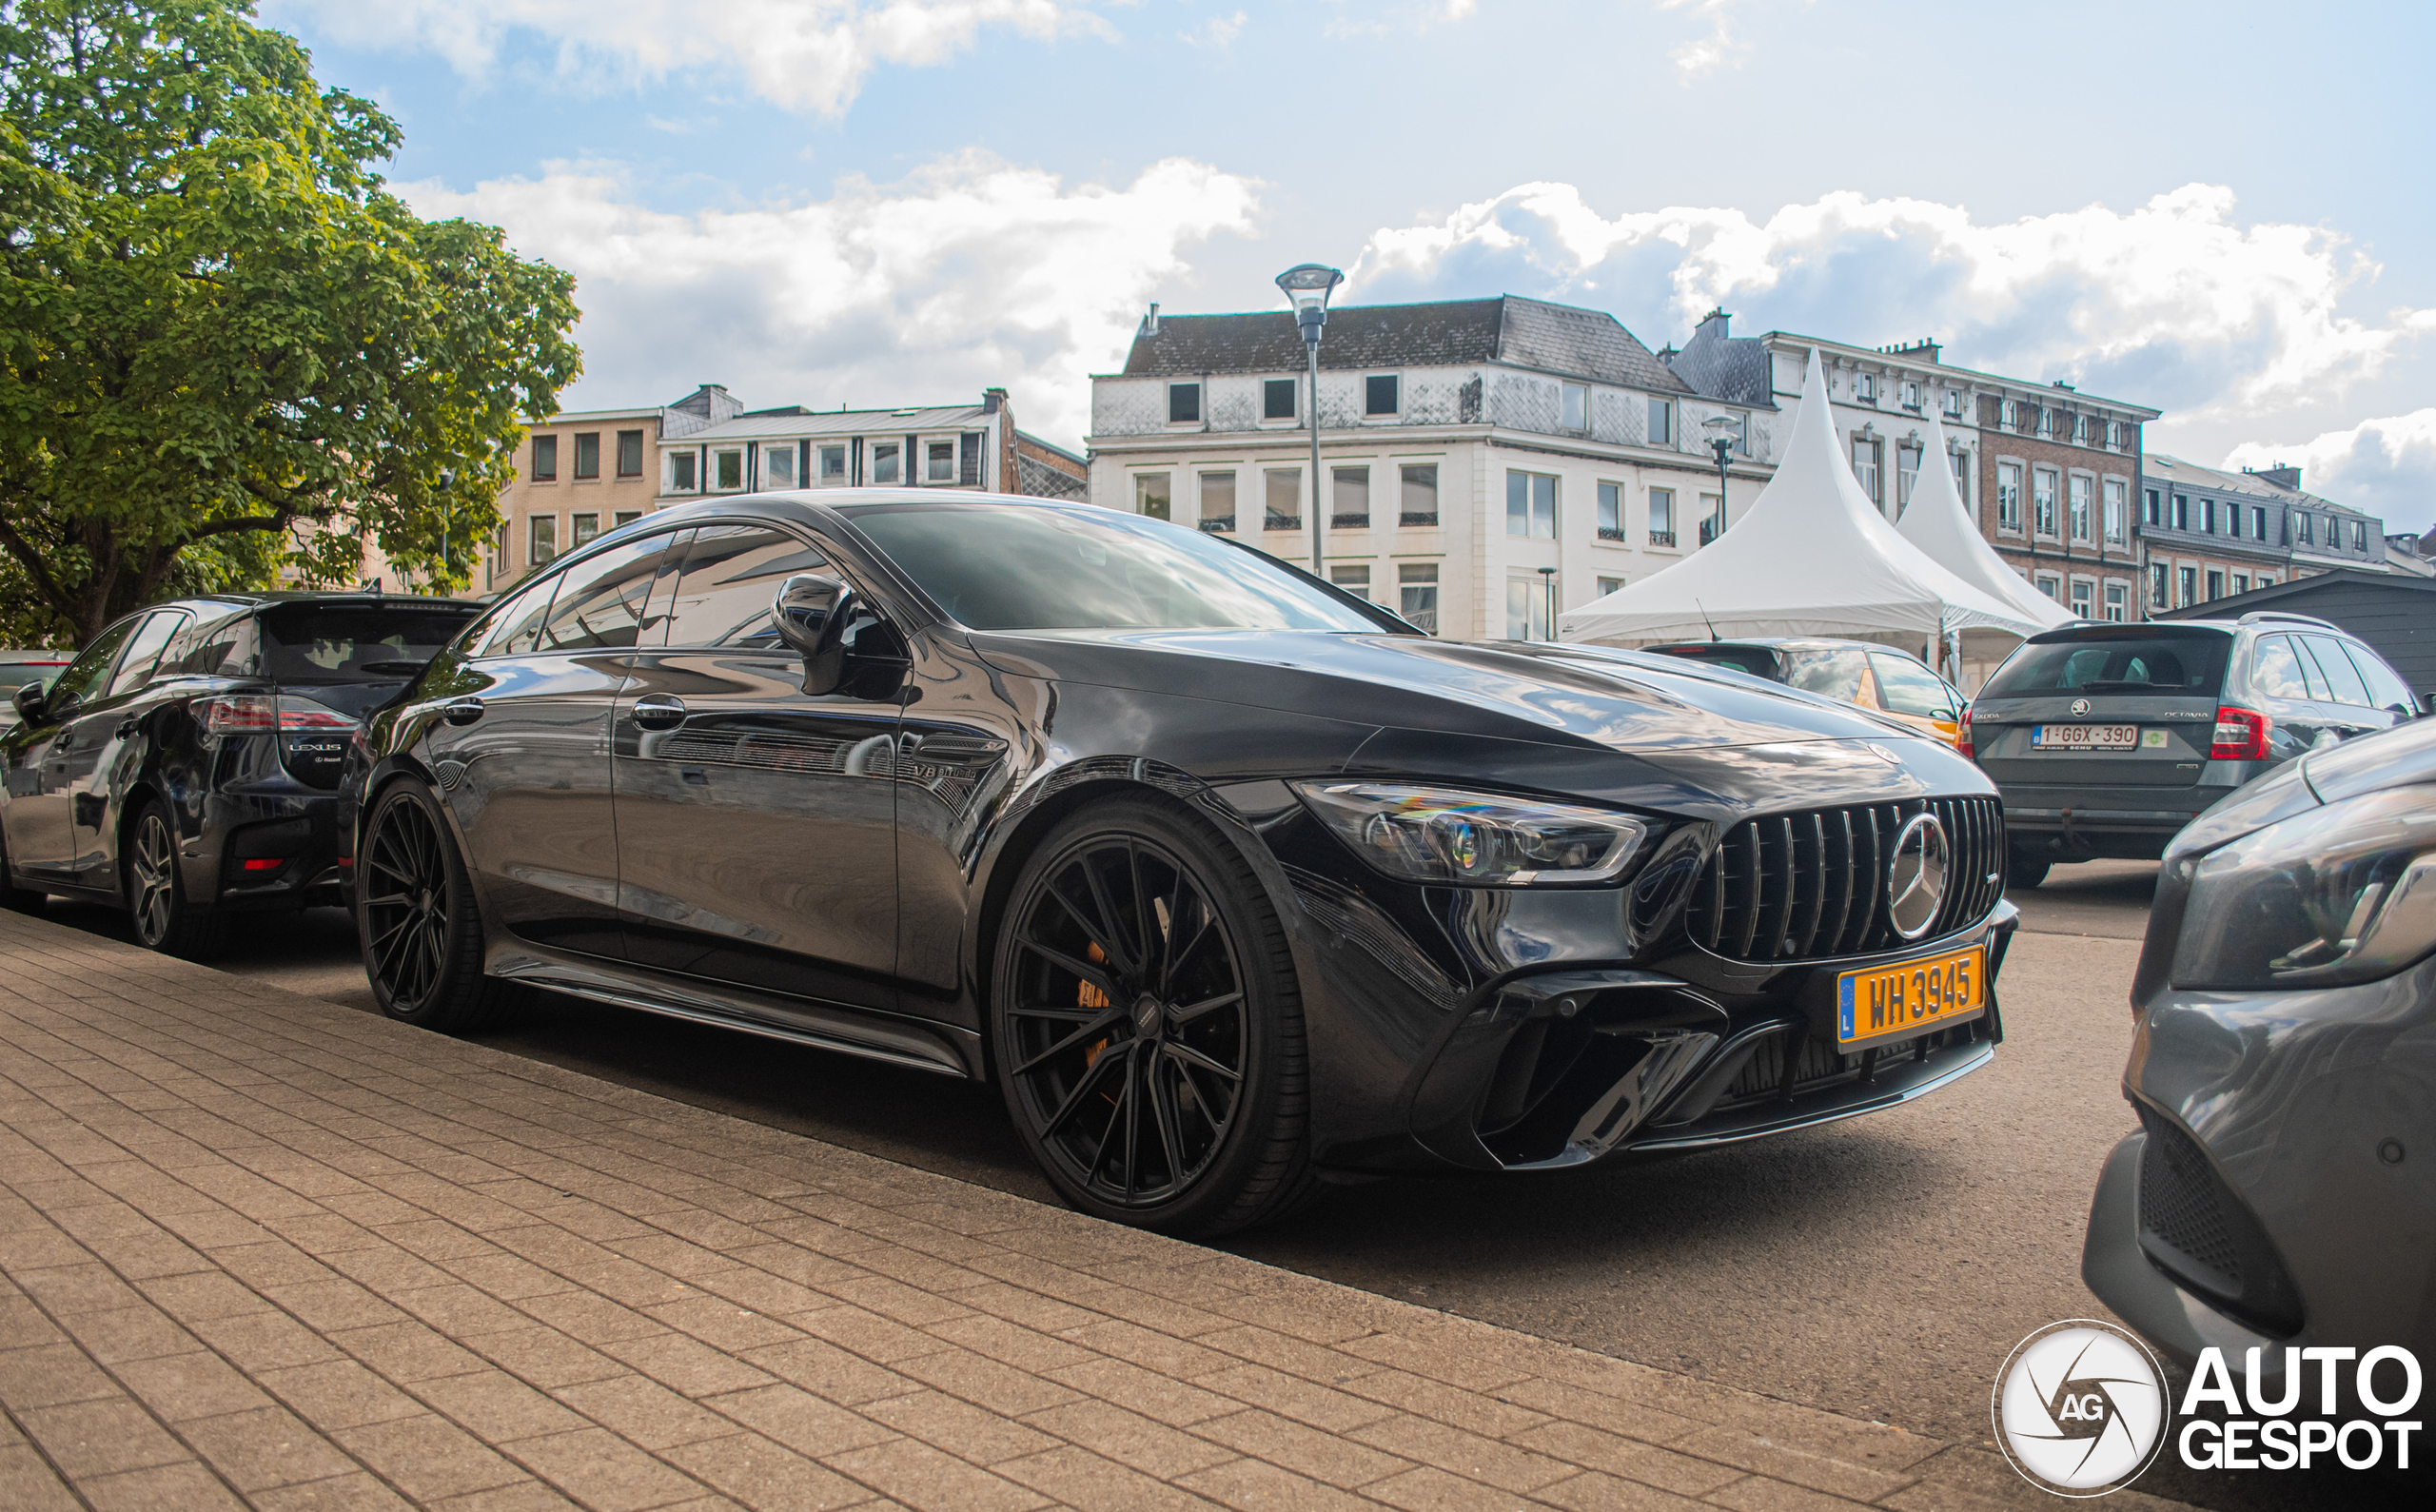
column 1916, row 876
column 2080, row 1408
column 2080, row 708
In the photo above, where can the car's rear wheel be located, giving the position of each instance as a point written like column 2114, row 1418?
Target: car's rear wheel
column 2024, row 870
column 1148, row 1027
column 416, row 916
column 165, row 919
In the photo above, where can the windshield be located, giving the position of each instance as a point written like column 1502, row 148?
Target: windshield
column 1014, row 567
column 2135, row 663
column 311, row 643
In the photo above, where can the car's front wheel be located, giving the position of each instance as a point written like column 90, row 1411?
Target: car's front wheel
column 416, row 916
column 1147, row 1023
column 165, row 919
column 2024, row 870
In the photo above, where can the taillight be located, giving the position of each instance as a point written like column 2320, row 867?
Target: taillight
column 2241, row 736
column 262, row 714
column 1962, row 738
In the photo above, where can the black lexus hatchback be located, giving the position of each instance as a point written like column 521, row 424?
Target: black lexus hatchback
column 1230, row 881
column 183, row 766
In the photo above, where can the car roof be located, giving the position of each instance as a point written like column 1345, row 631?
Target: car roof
column 1781, row 643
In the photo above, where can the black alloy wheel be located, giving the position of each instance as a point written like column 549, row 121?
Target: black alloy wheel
column 165, row 919
column 415, row 914
column 1149, row 1031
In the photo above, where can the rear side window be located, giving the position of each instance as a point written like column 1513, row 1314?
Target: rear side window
column 325, row 644
column 1831, row 674
column 515, row 626
column 1906, row 687
column 600, row 599
column 2275, row 670
column 2339, row 677
column 730, row 578
column 2138, row 664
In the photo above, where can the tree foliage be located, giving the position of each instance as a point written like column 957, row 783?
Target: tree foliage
column 223, row 344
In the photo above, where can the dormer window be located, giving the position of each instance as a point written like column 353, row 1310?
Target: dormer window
column 1953, row 401
column 1382, row 395
column 2012, row 415
column 1864, row 388
column 1911, row 396
column 1183, row 404
column 1573, row 407
column 1277, row 398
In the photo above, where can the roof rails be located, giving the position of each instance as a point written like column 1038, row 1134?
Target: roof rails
column 2257, row 615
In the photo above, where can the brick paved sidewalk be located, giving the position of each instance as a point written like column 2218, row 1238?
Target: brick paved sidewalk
column 259, row 1250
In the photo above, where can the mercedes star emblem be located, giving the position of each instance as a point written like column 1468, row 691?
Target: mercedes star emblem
column 2080, row 707
column 1916, row 877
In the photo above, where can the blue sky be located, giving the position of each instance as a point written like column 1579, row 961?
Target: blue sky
column 2216, row 210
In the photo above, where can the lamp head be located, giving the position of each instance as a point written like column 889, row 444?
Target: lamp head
column 1308, row 285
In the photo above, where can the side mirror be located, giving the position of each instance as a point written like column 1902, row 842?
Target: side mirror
column 812, row 612
column 30, row 700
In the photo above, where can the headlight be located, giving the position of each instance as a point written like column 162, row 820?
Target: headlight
column 1445, row 834
column 2338, row 895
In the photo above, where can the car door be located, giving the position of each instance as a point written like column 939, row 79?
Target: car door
column 2290, row 690
column 1917, row 696
column 2354, row 712
column 756, row 824
column 42, row 754
column 106, row 747
column 522, row 753
column 2386, row 689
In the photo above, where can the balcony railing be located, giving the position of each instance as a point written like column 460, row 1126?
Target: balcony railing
column 1418, row 517
column 1277, row 521
column 1218, row 523
column 1361, row 521
column 1611, row 533
column 1662, row 538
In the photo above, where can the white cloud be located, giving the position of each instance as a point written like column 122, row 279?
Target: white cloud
column 799, row 54
column 1410, row 15
column 1719, row 47
column 2173, row 303
column 1218, row 31
column 2385, row 467
column 970, row 273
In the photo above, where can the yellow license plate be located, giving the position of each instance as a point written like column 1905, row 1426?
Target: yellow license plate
column 1885, row 1001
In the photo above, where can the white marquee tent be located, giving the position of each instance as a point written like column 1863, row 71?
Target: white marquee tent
column 1811, row 557
column 1936, row 523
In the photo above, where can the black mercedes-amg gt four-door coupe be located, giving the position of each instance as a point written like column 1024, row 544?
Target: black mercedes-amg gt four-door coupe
column 1232, row 881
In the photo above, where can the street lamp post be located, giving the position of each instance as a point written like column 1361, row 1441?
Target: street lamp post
column 1723, row 430
column 448, row 483
column 1308, row 285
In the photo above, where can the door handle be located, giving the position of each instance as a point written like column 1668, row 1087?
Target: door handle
column 126, row 729
column 660, row 711
column 462, row 711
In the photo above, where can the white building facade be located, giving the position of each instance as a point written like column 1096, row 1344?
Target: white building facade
column 962, row 446
column 1486, row 464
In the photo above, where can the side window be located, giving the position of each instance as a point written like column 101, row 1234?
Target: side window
column 2337, row 667
column 143, row 651
column 85, row 676
column 2386, row 688
column 2274, row 671
column 600, row 599
column 1906, row 687
column 730, row 576
column 516, row 625
column 1830, row 674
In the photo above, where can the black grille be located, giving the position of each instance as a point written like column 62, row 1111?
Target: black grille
column 2180, row 1207
column 1804, row 886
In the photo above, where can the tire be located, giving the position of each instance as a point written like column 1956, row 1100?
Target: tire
column 414, row 913
column 13, row 897
column 155, row 888
column 2025, row 871
column 1140, row 971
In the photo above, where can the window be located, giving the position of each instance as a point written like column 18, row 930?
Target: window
column 630, row 454
column 541, row 540
column 1380, row 395
column 626, row 518
column 942, row 463
column 2241, row 582
column 2077, row 507
column 681, row 473
column 885, row 461
column 135, row 668
column 1962, row 477
column 2157, row 585
column 1531, row 505
column 2010, row 412
column 1420, row 504
column 587, row 454
column 1150, row 495
column 1712, row 519
column 2080, row 430
column 1277, row 398
column 2275, row 670
column 1527, row 607
column 1864, row 388
column 2266, row 580
column 2179, row 516
column 2308, row 532
column 2233, row 520
column 2115, row 606
column 1953, row 401
column 2046, row 422
column 2155, row 506
column 2051, row 585
column 833, row 464
column 2207, row 516
column 587, row 529
column 2187, row 586
column 1608, row 585
column 731, row 574
column 727, row 467
column 1353, row 580
column 1349, row 498
column 2117, row 527
column 1661, row 517
column 1417, row 594
column 2341, row 676
column 1184, row 403
column 2009, row 497
column 545, row 459
column 1865, row 470
column 1911, row 396
column 1907, row 476
column 1218, row 500
column 1904, row 686
column 2042, row 501
column 599, row 603
column 1661, row 422
column 2258, row 523
column 2359, row 534
column 1611, row 510
column 1285, row 501
column 2386, row 688
column 2215, row 583
column 1572, row 407
column 778, row 465
column 2082, row 591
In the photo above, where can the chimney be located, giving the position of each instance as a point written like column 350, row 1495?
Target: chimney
column 2281, row 476
column 1150, row 322
column 992, row 400
column 1718, row 315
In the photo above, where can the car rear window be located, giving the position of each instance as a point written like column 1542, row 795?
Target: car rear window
column 312, row 644
column 2144, row 662
column 1756, row 660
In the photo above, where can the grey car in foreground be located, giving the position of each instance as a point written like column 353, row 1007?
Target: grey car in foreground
column 2106, row 740
column 2281, row 1187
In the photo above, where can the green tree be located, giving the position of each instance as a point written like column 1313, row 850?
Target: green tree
column 223, row 344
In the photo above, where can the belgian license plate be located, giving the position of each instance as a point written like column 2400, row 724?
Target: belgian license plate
column 1885, row 1001
column 2084, row 736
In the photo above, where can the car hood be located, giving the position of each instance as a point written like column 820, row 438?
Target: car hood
column 1517, row 691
